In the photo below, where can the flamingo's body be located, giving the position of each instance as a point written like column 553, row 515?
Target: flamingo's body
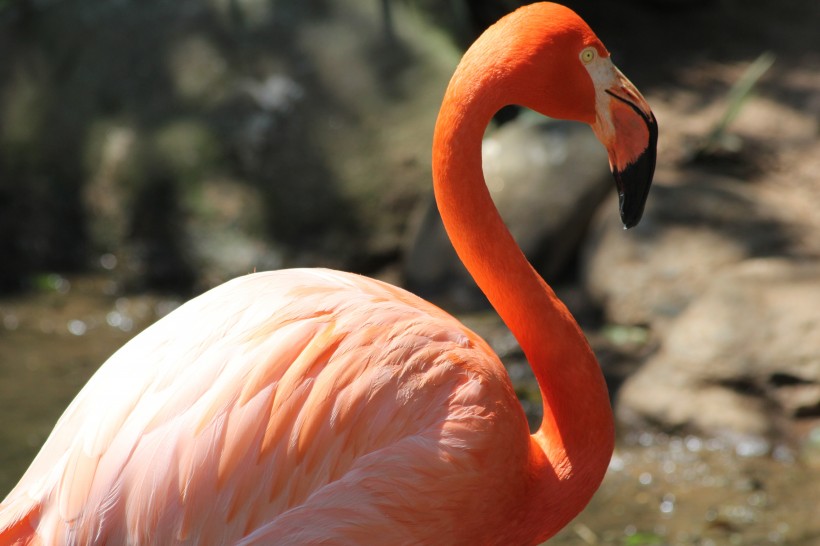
column 313, row 406
column 316, row 393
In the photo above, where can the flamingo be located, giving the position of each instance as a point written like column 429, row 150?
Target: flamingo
column 312, row 406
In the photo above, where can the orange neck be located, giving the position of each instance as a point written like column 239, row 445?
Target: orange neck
column 571, row 450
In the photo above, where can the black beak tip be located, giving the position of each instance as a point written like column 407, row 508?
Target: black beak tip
column 634, row 180
column 633, row 189
column 629, row 216
column 633, row 184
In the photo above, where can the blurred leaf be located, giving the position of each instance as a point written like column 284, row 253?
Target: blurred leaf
column 738, row 95
column 643, row 539
column 626, row 335
column 50, row 282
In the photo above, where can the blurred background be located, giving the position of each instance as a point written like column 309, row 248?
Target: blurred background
column 151, row 150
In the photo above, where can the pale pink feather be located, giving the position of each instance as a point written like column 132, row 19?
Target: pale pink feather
column 287, row 407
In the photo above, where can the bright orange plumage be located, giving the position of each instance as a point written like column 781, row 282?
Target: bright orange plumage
column 314, row 406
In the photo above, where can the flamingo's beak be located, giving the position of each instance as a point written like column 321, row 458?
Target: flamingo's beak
column 627, row 127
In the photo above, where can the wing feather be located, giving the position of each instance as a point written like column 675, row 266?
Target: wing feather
column 75, row 484
column 272, row 398
column 275, row 352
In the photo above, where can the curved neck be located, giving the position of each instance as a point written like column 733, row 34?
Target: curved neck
column 573, row 446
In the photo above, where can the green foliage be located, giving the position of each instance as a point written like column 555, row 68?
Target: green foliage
column 49, row 282
column 643, row 539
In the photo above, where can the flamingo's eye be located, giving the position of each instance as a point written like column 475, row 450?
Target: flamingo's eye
column 588, row 54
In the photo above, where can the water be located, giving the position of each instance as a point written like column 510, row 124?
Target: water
column 51, row 342
column 685, row 490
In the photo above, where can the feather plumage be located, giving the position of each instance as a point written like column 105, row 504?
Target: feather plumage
column 253, row 406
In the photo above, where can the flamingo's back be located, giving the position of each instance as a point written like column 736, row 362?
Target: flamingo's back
column 303, row 404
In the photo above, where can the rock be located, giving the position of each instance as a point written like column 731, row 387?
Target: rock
column 546, row 178
column 690, row 230
column 743, row 358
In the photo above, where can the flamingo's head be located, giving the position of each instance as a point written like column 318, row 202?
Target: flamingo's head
column 557, row 66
